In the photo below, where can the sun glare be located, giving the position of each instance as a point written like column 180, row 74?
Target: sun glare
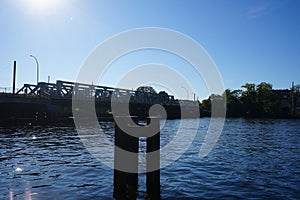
column 42, row 6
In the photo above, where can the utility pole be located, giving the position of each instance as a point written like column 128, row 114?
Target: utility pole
column 293, row 98
column 14, row 76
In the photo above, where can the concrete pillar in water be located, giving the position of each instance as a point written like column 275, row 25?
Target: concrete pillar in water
column 153, row 162
column 126, row 183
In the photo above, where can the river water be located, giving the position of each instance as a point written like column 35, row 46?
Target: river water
column 253, row 159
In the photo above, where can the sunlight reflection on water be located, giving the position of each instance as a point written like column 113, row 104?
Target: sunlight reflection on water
column 252, row 159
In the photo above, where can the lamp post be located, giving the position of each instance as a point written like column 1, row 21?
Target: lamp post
column 37, row 68
column 187, row 92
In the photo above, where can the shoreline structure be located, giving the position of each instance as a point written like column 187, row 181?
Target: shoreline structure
column 52, row 103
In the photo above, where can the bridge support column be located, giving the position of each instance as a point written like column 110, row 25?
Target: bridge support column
column 126, row 183
column 153, row 162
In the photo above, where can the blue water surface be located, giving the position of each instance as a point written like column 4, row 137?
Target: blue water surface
column 253, row 159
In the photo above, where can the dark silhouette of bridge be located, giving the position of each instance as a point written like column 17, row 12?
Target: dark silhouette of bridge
column 52, row 102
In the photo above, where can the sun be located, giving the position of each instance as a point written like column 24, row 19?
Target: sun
column 42, row 6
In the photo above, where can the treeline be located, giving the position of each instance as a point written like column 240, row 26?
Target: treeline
column 251, row 101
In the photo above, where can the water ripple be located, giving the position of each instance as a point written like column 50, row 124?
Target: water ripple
column 253, row 159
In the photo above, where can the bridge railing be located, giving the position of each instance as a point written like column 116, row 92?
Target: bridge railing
column 65, row 89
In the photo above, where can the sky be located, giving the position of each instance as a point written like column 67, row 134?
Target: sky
column 249, row 41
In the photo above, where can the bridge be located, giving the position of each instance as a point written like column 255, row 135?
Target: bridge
column 65, row 89
column 52, row 102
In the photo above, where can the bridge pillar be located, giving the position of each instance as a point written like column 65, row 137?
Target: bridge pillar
column 126, row 183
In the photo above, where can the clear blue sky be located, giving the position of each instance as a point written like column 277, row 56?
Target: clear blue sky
column 250, row 41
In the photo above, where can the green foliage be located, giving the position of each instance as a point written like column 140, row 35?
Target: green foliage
column 205, row 107
column 206, row 104
column 265, row 99
column 234, row 104
column 253, row 101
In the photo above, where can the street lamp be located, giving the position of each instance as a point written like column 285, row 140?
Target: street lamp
column 37, row 68
column 187, row 92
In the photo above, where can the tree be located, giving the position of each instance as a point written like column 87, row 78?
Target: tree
column 265, row 99
column 233, row 103
column 297, row 88
column 146, row 89
column 263, row 86
column 250, row 88
column 253, row 101
column 205, row 107
column 206, row 104
column 217, row 104
column 249, row 99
